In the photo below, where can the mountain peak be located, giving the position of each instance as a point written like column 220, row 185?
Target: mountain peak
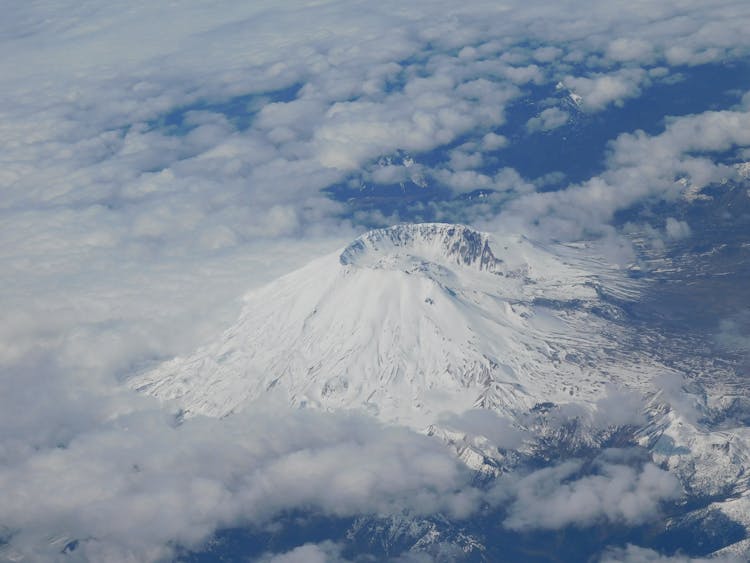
column 455, row 245
column 406, row 322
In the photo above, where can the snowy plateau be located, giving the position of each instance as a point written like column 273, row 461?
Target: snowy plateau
column 418, row 323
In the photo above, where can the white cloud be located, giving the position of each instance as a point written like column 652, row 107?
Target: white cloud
column 634, row 554
column 125, row 239
column 555, row 498
column 673, row 393
column 505, row 180
column 93, row 138
column 600, row 90
column 493, row 141
column 326, row 552
column 676, row 229
column 619, row 407
column 734, row 332
column 547, row 54
column 639, row 168
column 548, row 119
column 464, row 160
column 625, row 49
column 485, row 424
column 127, row 483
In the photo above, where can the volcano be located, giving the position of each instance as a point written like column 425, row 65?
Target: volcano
column 409, row 322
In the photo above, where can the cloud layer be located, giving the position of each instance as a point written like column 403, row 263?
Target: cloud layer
column 151, row 173
column 130, row 484
column 554, row 498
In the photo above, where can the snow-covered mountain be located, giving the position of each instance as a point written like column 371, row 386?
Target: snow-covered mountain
column 417, row 321
column 412, row 321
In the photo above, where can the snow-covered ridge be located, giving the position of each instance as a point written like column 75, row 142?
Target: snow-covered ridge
column 455, row 245
column 407, row 323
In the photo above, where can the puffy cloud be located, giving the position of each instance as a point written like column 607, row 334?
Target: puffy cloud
column 619, row 407
column 485, row 424
column 557, row 497
column 152, row 173
column 734, row 332
column 493, row 141
column 676, row 229
column 464, row 160
column 326, row 552
column 547, row 54
column 625, row 49
column 99, row 317
column 548, row 119
column 600, row 90
column 462, row 181
column 634, row 554
column 672, row 391
column 129, row 483
column 640, row 168
column 329, row 552
column 260, row 108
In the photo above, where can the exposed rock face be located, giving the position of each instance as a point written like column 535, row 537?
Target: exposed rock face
column 456, row 244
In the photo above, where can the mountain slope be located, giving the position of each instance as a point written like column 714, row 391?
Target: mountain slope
column 408, row 322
